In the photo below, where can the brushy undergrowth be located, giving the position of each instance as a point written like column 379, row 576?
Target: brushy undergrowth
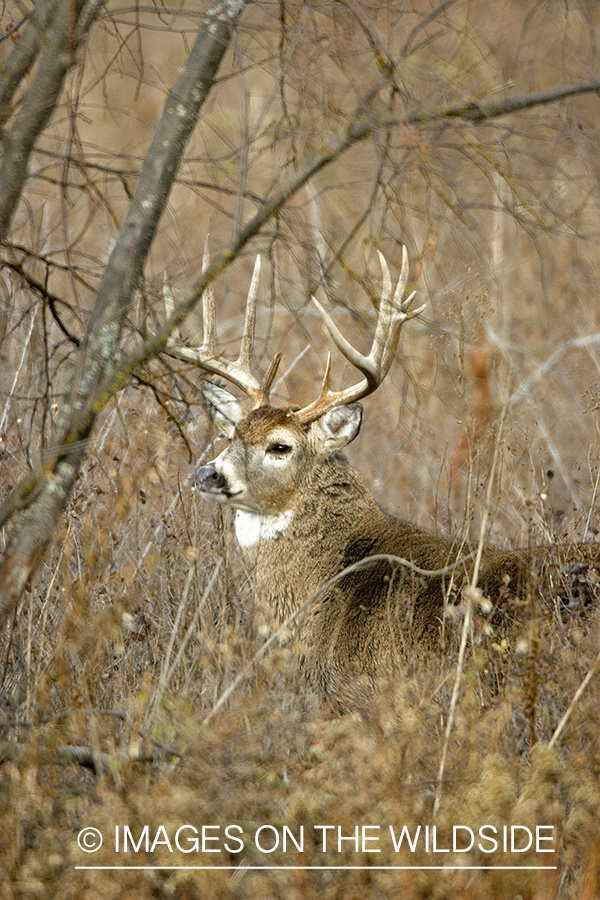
column 116, row 713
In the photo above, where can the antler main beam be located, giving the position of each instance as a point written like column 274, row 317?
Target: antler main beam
column 207, row 357
column 393, row 312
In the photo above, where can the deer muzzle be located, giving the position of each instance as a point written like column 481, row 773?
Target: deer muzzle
column 209, row 480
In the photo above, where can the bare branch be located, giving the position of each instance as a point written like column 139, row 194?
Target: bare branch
column 56, row 58
column 480, row 112
column 24, row 54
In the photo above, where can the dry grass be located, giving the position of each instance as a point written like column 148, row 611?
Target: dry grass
column 144, row 616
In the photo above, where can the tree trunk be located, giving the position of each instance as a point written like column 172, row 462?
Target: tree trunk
column 35, row 525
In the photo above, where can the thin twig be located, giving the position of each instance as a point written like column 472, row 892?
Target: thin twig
column 470, row 595
column 166, row 670
column 17, row 373
column 578, row 693
column 522, row 392
column 194, row 623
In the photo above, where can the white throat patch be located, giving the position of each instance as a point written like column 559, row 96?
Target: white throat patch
column 251, row 528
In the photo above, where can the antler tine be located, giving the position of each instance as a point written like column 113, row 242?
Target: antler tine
column 385, row 311
column 169, row 302
column 325, row 389
column 375, row 366
column 247, row 345
column 400, row 311
column 261, row 396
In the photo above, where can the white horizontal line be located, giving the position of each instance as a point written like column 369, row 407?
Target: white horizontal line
column 330, row 868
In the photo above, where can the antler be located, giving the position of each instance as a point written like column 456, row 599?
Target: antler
column 206, row 355
column 392, row 315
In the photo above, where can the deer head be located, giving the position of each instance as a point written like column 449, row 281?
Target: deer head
column 273, row 449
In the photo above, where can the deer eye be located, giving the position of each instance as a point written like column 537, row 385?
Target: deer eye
column 278, row 449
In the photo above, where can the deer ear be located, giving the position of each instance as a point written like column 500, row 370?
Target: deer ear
column 223, row 408
column 339, row 426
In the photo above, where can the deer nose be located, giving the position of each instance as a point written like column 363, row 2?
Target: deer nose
column 208, row 479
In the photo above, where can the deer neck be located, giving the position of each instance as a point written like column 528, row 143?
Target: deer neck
column 329, row 496
column 292, row 553
column 252, row 529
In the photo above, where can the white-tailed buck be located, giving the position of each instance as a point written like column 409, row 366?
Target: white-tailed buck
column 303, row 515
